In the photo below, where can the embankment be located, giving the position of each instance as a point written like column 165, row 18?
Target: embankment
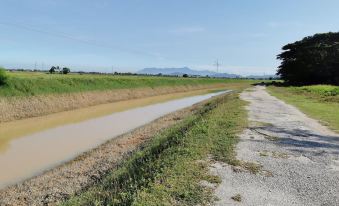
column 89, row 168
column 20, row 107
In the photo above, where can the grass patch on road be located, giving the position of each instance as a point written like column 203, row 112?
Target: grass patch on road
column 169, row 169
column 35, row 83
column 319, row 101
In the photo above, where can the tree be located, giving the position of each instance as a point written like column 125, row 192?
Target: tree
column 52, row 69
column 313, row 60
column 3, row 76
column 66, row 70
column 185, row 75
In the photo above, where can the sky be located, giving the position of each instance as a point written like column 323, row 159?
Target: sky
column 127, row 35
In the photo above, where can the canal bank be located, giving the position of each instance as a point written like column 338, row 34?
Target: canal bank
column 69, row 178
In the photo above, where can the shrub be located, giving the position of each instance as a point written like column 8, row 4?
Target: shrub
column 66, row 70
column 3, row 77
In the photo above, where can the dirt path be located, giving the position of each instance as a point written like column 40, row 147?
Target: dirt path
column 298, row 158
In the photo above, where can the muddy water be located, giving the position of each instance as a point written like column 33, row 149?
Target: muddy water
column 32, row 154
column 24, row 127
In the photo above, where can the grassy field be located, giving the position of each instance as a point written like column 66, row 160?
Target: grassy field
column 170, row 168
column 319, row 101
column 34, row 83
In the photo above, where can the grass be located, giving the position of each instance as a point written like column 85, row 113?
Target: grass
column 318, row 101
column 35, row 83
column 170, row 168
column 236, row 198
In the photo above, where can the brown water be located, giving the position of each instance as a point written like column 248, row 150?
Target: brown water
column 32, row 154
column 20, row 128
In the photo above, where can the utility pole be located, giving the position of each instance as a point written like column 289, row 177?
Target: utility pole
column 217, row 64
column 35, row 65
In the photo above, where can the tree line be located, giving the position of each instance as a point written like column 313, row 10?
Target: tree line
column 312, row 60
column 57, row 69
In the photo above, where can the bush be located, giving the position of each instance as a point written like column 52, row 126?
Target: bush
column 66, row 70
column 3, row 77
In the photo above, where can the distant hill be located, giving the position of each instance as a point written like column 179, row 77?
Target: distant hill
column 185, row 70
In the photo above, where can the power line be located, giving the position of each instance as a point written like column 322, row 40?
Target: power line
column 217, row 64
column 84, row 41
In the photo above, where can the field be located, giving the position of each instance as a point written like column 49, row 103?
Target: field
column 34, row 83
column 318, row 101
column 170, row 168
column 33, row 94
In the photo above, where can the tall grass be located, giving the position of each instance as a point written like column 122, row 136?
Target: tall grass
column 3, row 77
column 166, row 171
column 321, row 92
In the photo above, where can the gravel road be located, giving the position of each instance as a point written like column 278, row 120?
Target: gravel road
column 298, row 158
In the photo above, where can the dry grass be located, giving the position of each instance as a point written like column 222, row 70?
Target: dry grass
column 236, row 198
column 13, row 108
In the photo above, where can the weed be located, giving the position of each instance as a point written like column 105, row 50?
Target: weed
column 252, row 167
column 263, row 153
column 167, row 170
column 236, row 198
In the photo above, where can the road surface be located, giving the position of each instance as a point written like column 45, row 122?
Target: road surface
column 298, row 158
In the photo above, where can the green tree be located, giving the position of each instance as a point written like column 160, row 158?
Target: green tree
column 3, row 76
column 52, row 70
column 66, row 70
column 313, row 60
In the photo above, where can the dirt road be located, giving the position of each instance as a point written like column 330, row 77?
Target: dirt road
column 297, row 158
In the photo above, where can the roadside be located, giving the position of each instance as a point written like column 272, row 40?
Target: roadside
column 294, row 160
column 320, row 102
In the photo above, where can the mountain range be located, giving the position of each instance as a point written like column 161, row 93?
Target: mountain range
column 185, row 70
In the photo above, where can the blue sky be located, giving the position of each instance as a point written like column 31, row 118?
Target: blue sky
column 129, row 35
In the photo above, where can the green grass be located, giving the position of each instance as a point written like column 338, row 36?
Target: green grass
column 318, row 101
column 35, row 83
column 169, row 169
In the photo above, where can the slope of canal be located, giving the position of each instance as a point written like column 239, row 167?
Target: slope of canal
column 32, row 154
